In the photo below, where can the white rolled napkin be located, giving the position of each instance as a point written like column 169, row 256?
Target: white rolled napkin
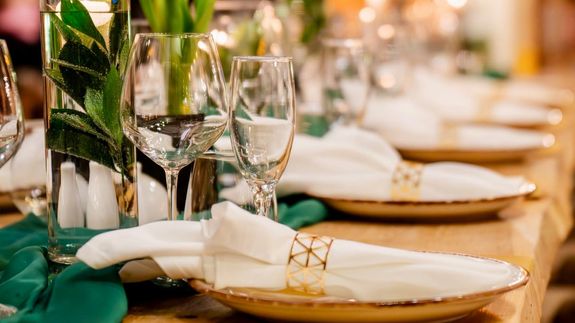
column 238, row 249
column 524, row 90
column 407, row 125
column 452, row 104
column 357, row 164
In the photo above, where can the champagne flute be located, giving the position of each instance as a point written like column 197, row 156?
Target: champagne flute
column 174, row 104
column 262, row 123
column 346, row 80
column 11, row 125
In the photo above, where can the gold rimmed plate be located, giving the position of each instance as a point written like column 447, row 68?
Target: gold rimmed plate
column 428, row 210
column 299, row 307
column 546, row 145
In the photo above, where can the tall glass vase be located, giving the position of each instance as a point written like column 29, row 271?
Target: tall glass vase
column 91, row 165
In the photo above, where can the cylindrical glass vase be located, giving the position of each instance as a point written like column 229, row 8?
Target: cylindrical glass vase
column 91, row 167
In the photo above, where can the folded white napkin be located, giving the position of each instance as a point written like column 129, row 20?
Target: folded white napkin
column 27, row 168
column 454, row 105
column 406, row 124
column 357, row 164
column 238, row 249
column 523, row 90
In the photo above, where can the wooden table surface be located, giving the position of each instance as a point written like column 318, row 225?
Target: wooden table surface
column 528, row 234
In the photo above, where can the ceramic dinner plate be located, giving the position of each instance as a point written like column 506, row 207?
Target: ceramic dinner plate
column 427, row 210
column 471, row 156
column 298, row 307
column 5, row 200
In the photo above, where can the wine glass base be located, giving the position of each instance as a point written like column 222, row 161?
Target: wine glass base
column 165, row 281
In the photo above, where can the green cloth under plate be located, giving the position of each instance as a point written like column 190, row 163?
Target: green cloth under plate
column 77, row 294
column 80, row 294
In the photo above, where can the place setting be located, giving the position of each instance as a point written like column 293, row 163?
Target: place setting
column 251, row 199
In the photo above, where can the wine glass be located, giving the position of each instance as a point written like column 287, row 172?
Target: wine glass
column 262, row 123
column 11, row 125
column 174, row 104
column 346, row 80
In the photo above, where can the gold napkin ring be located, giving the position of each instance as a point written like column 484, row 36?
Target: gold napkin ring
column 485, row 109
column 448, row 136
column 307, row 262
column 406, row 181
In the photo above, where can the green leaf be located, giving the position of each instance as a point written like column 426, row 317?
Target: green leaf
column 103, row 106
column 124, row 53
column 78, row 68
column 187, row 21
column 204, row 13
column 176, row 23
column 56, row 77
column 78, row 120
column 66, row 139
column 77, row 81
column 156, row 14
column 67, row 33
column 118, row 35
column 75, row 15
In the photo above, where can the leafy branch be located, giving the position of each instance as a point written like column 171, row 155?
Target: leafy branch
column 175, row 16
column 88, row 70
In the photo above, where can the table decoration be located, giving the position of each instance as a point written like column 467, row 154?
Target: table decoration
column 11, row 127
column 526, row 90
column 262, row 123
column 25, row 280
column 273, row 257
column 357, row 164
column 346, row 80
column 85, row 44
column 422, row 135
column 11, row 114
column 23, row 179
column 170, row 127
column 300, row 307
column 453, row 104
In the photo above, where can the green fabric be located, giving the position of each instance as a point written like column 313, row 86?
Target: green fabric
column 302, row 213
column 31, row 231
column 77, row 294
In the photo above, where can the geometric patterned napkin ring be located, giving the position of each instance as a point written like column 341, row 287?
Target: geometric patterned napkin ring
column 406, row 181
column 448, row 136
column 307, row 262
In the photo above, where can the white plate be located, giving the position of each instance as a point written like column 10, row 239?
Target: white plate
column 299, row 307
column 471, row 156
column 427, row 210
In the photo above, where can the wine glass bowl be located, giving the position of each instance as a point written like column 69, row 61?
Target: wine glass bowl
column 11, row 117
column 174, row 104
column 262, row 122
column 11, row 125
column 346, row 80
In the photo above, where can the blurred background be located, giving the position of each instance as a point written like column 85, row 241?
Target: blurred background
column 494, row 38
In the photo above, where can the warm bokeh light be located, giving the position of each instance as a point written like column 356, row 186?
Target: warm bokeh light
column 367, row 15
column 457, row 4
column 386, row 31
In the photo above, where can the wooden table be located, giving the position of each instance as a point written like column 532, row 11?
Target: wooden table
column 528, row 234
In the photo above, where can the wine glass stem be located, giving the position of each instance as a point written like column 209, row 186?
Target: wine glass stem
column 172, row 187
column 263, row 197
